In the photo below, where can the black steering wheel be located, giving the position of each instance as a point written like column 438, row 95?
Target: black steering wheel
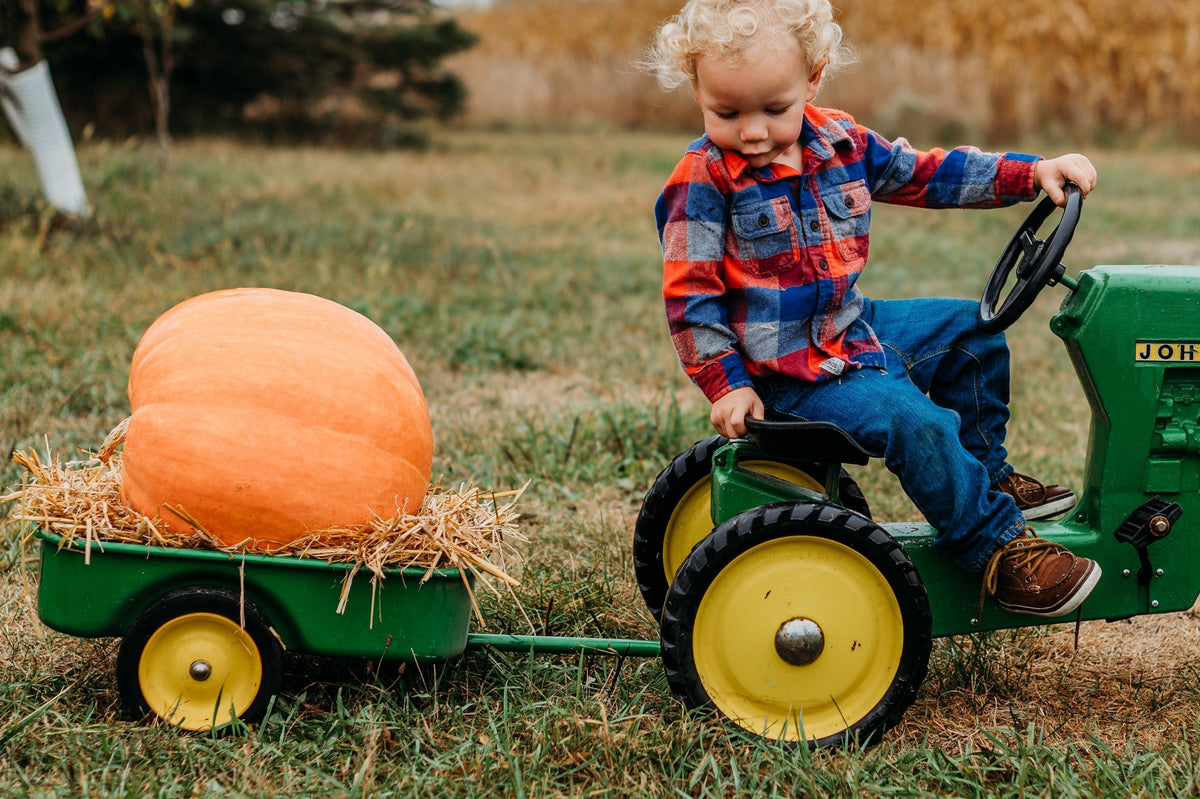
column 1037, row 263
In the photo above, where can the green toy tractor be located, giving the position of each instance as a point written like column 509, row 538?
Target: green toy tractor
column 786, row 609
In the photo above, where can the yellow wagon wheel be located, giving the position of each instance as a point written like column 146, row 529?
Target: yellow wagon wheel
column 799, row 622
column 189, row 660
column 675, row 514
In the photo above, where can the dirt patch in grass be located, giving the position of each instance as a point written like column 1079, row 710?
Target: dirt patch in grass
column 1132, row 680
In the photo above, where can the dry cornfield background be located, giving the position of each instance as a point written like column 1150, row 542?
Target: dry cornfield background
column 1093, row 70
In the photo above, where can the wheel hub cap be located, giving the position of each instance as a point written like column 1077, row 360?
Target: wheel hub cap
column 200, row 670
column 799, row 641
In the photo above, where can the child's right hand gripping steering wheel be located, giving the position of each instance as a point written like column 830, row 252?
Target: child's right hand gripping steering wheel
column 1037, row 263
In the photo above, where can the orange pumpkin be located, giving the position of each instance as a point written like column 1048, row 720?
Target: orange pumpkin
column 267, row 414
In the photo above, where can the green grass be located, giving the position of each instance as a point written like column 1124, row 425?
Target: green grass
column 520, row 275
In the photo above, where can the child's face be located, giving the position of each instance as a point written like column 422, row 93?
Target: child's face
column 756, row 106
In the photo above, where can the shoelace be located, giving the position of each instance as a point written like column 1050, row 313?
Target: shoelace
column 1030, row 554
column 1029, row 489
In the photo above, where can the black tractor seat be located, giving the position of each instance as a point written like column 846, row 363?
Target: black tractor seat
column 814, row 441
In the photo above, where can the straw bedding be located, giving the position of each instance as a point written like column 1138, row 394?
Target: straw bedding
column 468, row 529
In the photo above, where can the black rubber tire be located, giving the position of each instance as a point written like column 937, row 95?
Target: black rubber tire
column 191, row 600
column 793, row 519
column 667, row 491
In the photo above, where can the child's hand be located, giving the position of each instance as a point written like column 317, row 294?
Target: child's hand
column 1052, row 174
column 730, row 411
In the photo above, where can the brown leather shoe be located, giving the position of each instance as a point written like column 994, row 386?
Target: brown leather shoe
column 1035, row 499
column 1039, row 577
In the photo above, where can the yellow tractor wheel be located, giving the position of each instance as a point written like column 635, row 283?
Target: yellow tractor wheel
column 799, row 622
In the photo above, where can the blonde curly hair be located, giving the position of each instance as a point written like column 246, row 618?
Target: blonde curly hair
column 727, row 28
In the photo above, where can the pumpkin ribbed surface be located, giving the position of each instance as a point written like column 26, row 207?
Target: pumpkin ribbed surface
column 267, row 414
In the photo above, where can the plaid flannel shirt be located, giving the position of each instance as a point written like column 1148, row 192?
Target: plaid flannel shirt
column 760, row 264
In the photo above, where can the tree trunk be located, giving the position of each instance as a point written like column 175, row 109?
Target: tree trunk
column 160, row 64
column 26, row 32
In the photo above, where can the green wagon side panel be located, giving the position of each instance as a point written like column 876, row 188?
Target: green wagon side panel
column 399, row 617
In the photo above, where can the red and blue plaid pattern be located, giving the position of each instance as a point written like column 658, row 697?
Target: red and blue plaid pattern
column 760, row 264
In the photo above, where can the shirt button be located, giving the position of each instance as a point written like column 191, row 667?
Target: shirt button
column 825, row 306
column 814, row 226
column 849, row 202
column 823, row 264
column 763, row 220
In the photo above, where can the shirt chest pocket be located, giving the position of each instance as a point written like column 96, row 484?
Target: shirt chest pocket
column 848, row 209
column 764, row 236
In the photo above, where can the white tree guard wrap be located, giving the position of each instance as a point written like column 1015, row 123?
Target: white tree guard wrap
column 32, row 107
column 9, row 64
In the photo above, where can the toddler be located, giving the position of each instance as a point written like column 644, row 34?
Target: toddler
column 764, row 227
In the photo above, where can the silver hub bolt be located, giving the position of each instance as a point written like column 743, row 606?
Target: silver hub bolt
column 200, row 670
column 799, row 641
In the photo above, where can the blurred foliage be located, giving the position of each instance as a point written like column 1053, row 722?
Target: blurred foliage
column 939, row 72
column 348, row 71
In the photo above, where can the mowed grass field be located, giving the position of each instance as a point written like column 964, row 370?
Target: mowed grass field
column 520, row 272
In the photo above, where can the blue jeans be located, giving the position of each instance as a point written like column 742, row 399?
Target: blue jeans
column 936, row 413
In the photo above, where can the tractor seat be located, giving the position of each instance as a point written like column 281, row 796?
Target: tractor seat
column 815, row 441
